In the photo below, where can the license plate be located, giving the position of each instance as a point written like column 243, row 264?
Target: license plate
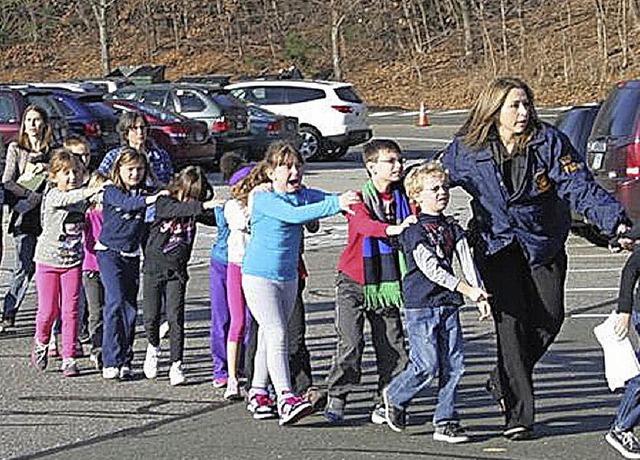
column 597, row 160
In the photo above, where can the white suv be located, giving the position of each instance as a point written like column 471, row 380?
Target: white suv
column 331, row 115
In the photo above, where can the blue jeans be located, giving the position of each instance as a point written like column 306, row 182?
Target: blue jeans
column 25, row 267
column 628, row 414
column 120, row 276
column 435, row 348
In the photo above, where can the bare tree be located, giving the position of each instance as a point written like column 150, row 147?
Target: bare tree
column 100, row 10
column 463, row 5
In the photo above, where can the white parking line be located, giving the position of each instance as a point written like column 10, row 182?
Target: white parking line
column 594, row 270
column 593, row 289
column 382, row 114
column 409, row 114
column 590, row 315
column 423, row 139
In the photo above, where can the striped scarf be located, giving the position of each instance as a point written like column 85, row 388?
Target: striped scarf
column 384, row 266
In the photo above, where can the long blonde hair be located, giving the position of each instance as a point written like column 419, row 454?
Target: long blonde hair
column 258, row 175
column 485, row 113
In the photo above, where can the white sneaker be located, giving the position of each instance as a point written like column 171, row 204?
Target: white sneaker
column 164, row 329
column 232, row 393
column 176, row 376
column 110, row 373
column 151, row 362
column 126, row 373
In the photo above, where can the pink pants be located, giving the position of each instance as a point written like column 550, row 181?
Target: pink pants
column 58, row 296
column 237, row 303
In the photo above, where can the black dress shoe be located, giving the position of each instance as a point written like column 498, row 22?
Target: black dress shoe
column 518, row 433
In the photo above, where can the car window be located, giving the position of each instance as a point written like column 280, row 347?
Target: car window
column 296, row 95
column 618, row 114
column 7, row 109
column 154, row 96
column 65, row 109
column 226, row 100
column 126, row 95
column 100, row 110
column 348, row 94
column 189, row 101
column 46, row 103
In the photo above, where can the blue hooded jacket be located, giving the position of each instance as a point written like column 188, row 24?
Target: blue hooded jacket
column 537, row 214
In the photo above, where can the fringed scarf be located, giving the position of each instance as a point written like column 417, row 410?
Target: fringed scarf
column 384, row 266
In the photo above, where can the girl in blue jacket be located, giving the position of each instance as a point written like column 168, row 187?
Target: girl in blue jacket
column 270, row 271
column 118, row 251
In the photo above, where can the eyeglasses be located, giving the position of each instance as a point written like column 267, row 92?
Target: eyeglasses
column 439, row 188
column 393, row 161
column 139, row 128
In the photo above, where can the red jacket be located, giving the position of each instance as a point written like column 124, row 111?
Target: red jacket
column 359, row 226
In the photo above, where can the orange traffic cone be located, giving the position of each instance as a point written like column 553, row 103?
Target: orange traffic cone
column 423, row 120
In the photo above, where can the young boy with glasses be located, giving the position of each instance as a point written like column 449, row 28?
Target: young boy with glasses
column 368, row 280
column 432, row 296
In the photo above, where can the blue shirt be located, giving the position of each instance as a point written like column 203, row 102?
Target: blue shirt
column 276, row 229
column 219, row 248
column 123, row 227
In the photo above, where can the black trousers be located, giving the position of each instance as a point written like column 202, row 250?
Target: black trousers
column 528, row 310
column 171, row 284
column 386, row 334
column 94, row 292
column 299, row 358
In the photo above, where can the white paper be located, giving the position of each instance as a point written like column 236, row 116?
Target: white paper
column 620, row 358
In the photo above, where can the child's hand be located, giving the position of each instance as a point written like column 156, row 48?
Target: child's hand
column 621, row 328
column 151, row 199
column 347, row 199
column 485, row 310
column 395, row 230
column 212, row 203
column 409, row 221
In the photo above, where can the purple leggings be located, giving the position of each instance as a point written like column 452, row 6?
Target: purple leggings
column 237, row 303
column 219, row 317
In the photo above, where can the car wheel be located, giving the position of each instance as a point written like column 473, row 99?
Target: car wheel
column 311, row 147
column 335, row 153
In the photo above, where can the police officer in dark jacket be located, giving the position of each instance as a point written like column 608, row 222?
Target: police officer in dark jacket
column 523, row 176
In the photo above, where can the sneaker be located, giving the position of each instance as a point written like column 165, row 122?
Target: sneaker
column 518, row 433
column 7, row 324
column 125, row 373
column 293, row 408
column 334, row 411
column 84, row 337
column 176, row 376
column 69, row 367
column 53, row 347
column 163, row 330
column 150, row 366
column 396, row 416
column 232, row 392
column 451, row 432
column 624, row 442
column 379, row 415
column 317, row 398
column 261, row 406
column 110, row 373
column 220, row 382
column 96, row 359
column 39, row 355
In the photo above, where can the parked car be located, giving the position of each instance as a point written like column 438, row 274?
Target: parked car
column 331, row 115
column 87, row 115
column 226, row 118
column 187, row 141
column 613, row 149
column 108, row 85
column 15, row 99
column 267, row 127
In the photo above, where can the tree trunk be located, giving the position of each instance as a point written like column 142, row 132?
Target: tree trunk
column 466, row 27
column 336, row 22
column 100, row 9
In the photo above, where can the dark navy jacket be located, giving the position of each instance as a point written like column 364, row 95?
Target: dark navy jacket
column 537, row 214
column 123, row 228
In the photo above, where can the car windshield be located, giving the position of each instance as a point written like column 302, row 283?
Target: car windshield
column 225, row 100
column 618, row 114
column 152, row 110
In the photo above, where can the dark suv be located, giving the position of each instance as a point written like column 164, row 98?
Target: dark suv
column 613, row 150
column 226, row 117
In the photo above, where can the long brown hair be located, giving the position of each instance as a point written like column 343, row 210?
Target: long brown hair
column 47, row 132
column 485, row 113
column 190, row 183
column 127, row 156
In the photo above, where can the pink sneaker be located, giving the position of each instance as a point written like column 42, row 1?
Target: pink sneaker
column 220, row 382
column 261, row 406
column 292, row 409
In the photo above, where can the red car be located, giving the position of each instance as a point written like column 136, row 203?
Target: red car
column 187, row 141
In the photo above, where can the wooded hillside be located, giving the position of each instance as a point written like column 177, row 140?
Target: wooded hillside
column 397, row 52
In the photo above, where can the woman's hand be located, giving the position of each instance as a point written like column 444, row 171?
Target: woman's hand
column 485, row 310
column 151, row 199
column 347, row 199
column 621, row 328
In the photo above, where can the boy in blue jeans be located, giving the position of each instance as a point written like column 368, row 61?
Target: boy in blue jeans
column 432, row 295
